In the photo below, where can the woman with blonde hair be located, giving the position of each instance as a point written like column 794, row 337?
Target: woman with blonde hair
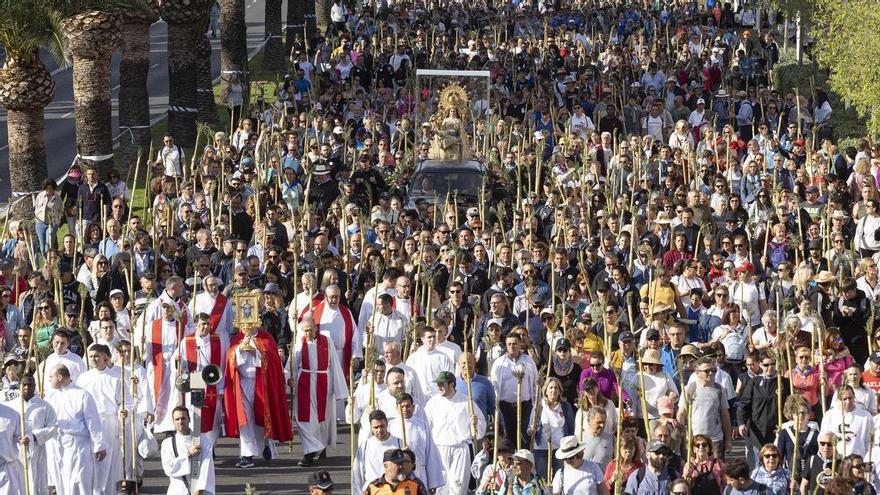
column 858, row 179
column 554, row 420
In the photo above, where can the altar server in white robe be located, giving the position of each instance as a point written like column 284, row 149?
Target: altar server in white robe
column 428, row 362
column 174, row 289
column 420, row 440
column 370, row 384
column 368, row 463
column 11, row 470
column 40, row 426
column 79, row 446
column 387, row 325
column 393, row 354
column 453, row 427
column 142, row 399
column 318, row 380
column 385, row 286
column 103, row 383
column 187, row 460
column 162, row 340
column 61, row 355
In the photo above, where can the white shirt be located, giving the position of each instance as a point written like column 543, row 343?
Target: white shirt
column 171, row 158
column 187, row 473
column 858, row 428
column 450, row 422
column 427, row 365
column 75, row 365
column 505, row 383
column 582, row 481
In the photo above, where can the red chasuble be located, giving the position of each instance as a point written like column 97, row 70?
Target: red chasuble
column 304, row 383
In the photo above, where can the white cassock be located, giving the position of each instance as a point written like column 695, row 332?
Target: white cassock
column 251, row 435
column 362, row 397
column 11, row 470
column 317, row 435
column 75, row 365
column 450, row 423
column 39, row 418
column 332, row 323
column 161, row 381
column 427, row 365
column 123, row 324
column 366, row 310
column 405, row 307
column 104, row 387
column 368, row 464
column 187, row 474
column 387, row 403
column 80, row 435
column 142, row 400
column 205, row 303
column 388, row 328
column 204, row 358
column 420, row 440
column 451, row 349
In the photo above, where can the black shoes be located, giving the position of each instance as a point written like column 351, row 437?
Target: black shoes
column 267, row 453
column 307, row 460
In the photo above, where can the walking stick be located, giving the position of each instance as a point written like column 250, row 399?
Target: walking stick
column 402, row 426
column 518, row 373
column 27, row 481
column 467, row 377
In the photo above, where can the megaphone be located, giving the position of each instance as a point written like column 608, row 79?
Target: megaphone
column 210, row 375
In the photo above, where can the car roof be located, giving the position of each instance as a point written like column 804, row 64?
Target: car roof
column 429, row 166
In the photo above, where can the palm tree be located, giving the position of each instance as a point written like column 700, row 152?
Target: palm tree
column 310, row 19
column 186, row 21
column 233, row 45
column 26, row 87
column 134, row 68
column 322, row 13
column 273, row 56
column 92, row 29
column 204, row 84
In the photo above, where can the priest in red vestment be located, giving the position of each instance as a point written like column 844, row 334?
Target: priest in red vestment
column 337, row 322
column 199, row 350
column 254, row 399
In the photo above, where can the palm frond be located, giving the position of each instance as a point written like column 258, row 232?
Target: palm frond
column 28, row 25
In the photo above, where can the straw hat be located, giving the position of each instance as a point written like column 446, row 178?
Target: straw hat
column 824, row 277
column 651, row 356
column 569, row 447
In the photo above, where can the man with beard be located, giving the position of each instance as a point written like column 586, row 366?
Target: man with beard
column 214, row 304
column 654, row 478
column 318, row 380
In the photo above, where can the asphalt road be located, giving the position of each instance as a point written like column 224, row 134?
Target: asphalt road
column 280, row 476
column 60, row 125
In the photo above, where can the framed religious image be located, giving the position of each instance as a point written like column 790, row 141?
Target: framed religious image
column 246, row 310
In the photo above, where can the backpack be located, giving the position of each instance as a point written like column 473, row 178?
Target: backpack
column 704, row 483
column 640, row 476
column 761, row 491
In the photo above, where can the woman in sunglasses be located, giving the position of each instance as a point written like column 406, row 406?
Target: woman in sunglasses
column 855, row 469
column 704, row 470
column 770, row 471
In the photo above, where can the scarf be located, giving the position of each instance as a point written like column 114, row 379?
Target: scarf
column 562, row 369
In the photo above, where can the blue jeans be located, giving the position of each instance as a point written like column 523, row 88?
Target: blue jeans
column 45, row 235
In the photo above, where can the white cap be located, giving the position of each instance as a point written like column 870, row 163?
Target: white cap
column 701, row 101
column 338, row 130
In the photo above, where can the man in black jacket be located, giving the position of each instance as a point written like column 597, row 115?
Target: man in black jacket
column 758, row 406
column 851, row 314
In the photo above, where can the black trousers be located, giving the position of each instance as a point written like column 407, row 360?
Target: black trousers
column 508, row 417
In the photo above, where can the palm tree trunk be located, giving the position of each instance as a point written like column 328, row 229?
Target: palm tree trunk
column 91, row 36
column 93, row 111
column 207, row 107
column 26, row 87
column 233, row 46
column 322, row 14
column 296, row 11
column 134, row 98
column 27, row 156
column 183, row 38
column 311, row 29
column 273, row 56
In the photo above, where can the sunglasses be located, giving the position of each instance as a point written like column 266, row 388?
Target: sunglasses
column 826, row 444
column 701, row 445
column 773, row 456
column 45, row 308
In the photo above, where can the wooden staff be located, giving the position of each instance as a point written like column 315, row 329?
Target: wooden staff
column 124, row 414
column 24, row 434
column 644, row 403
column 495, row 441
column 467, row 378
column 351, row 446
column 519, row 373
column 797, row 447
column 404, row 445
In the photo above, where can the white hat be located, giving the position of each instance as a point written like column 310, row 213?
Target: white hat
column 701, row 101
column 116, row 291
column 569, row 447
column 539, row 135
column 321, row 169
column 495, row 321
column 338, row 130
column 524, row 455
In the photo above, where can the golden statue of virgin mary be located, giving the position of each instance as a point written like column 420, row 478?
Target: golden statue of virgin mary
column 450, row 141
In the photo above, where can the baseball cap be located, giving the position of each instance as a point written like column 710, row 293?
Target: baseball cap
column 321, row 479
column 473, row 212
column 657, row 446
column 71, row 310
column 653, row 334
column 745, row 267
column 241, row 268
column 563, row 344
column 116, row 292
column 393, row 455
column 524, row 455
column 875, row 357
column 445, row 377
column 625, row 337
column 495, row 321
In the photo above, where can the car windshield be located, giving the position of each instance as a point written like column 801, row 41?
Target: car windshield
column 437, row 183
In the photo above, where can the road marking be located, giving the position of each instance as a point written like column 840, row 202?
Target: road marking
column 68, row 114
column 154, row 66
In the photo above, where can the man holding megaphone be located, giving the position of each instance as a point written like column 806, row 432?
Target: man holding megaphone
column 197, row 352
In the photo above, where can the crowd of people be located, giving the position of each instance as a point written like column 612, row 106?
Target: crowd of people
column 668, row 255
